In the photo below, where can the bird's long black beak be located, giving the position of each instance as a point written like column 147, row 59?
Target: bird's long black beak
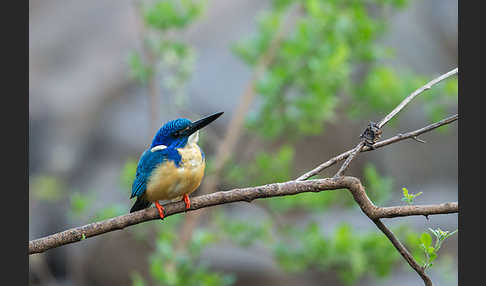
column 196, row 125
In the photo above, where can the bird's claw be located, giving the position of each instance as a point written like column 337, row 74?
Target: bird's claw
column 161, row 210
column 187, row 201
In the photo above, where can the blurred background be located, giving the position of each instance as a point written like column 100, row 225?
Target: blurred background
column 298, row 80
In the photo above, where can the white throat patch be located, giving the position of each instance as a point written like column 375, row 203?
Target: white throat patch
column 193, row 138
column 158, row 147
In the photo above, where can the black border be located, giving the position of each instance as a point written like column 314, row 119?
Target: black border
column 15, row 119
column 470, row 129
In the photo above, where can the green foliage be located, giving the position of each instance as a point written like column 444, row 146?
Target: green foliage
column 79, row 204
column 266, row 168
column 164, row 55
column 440, row 236
column 314, row 66
column 46, row 188
column 139, row 70
column 383, row 89
column 353, row 255
column 84, row 205
column 137, row 280
column 395, row 3
column 379, row 188
column 128, row 172
column 172, row 14
column 439, row 99
column 171, row 268
column 409, row 197
column 110, row 211
column 429, row 250
column 310, row 202
column 242, row 232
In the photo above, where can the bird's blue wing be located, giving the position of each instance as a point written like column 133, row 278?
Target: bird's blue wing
column 147, row 163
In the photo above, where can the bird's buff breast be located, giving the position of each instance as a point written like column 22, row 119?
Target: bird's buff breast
column 169, row 182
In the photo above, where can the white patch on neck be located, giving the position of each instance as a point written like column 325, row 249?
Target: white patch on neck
column 158, row 147
column 193, row 138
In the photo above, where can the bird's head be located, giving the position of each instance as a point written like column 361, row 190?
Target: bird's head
column 176, row 133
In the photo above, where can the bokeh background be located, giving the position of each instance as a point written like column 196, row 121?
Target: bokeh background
column 92, row 111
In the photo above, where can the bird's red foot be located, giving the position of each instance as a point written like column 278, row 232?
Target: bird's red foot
column 161, row 209
column 187, row 201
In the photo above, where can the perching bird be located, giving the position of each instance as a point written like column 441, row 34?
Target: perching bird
column 173, row 166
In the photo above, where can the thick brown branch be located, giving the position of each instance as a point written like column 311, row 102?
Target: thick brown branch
column 425, row 210
column 236, row 195
column 380, row 144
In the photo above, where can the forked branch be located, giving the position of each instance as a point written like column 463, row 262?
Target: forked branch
column 236, row 195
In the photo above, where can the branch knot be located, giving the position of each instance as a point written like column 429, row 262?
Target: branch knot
column 371, row 134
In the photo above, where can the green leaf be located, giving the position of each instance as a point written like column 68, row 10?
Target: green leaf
column 138, row 69
column 405, row 192
column 380, row 187
column 450, row 234
column 128, row 173
column 137, row 279
column 426, row 239
column 46, row 188
column 166, row 14
column 79, row 203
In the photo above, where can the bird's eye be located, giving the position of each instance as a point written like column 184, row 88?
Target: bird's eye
column 176, row 134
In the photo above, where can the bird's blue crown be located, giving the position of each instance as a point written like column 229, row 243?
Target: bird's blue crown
column 168, row 134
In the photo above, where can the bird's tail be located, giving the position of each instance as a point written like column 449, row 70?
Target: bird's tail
column 140, row 204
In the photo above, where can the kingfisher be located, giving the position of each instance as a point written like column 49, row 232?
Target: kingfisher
column 173, row 166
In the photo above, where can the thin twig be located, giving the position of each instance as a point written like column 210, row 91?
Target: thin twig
column 418, row 139
column 351, row 156
column 414, row 94
column 377, row 145
column 390, row 115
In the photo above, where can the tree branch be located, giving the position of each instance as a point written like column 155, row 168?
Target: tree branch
column 414, row 94
column 351, row 156
column 377, row 145
column 425, row 210
column 373, row 136
column 237, row 195
column 390, row 115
